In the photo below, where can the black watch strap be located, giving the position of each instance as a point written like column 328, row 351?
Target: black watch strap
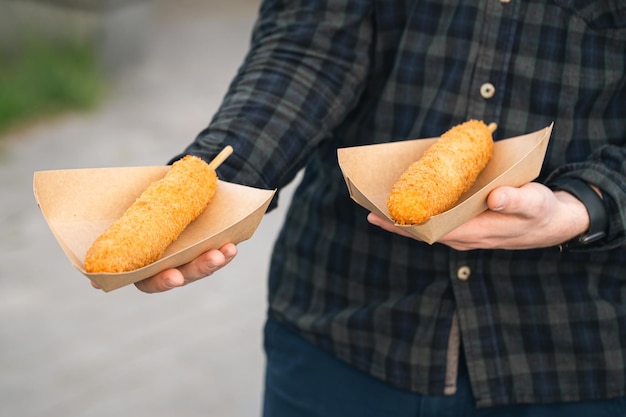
column 598, row 219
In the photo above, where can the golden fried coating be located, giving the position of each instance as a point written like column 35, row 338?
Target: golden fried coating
column 155, row 219
column 448, row 168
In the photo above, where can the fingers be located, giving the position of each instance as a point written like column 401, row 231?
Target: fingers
column 208, row 263
column 163, row 281
column 385, row 224
column 376, row 220
column 203, row 266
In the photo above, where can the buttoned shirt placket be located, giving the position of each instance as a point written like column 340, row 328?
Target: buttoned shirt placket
column 485, row 98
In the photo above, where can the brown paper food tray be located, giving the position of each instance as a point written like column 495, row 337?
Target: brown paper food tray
column 371, row 170
column 79, row 204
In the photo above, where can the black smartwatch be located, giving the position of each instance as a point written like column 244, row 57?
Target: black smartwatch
column 598, row 219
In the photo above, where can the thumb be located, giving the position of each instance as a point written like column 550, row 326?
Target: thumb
column 503, row 199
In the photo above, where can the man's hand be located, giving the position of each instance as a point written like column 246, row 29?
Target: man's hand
column 203, row 266
column 532, row 216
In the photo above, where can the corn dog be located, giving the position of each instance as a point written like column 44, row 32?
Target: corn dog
column 155, row 219
column 448, row 168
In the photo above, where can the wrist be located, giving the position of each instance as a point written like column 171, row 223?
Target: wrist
column 574, row 214
column 595, row 224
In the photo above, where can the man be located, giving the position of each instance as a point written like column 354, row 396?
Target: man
column 520, row 311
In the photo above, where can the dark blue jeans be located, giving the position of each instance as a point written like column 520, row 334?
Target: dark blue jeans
column 303, row 381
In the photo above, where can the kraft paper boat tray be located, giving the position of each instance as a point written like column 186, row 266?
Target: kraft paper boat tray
column 79, row 204
column 371, row 170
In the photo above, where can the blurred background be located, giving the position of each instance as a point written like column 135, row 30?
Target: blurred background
column 104, row 83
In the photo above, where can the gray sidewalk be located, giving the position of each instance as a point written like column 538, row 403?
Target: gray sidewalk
column 67, row 350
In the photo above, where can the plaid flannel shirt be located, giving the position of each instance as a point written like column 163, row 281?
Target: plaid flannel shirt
column 536, row 325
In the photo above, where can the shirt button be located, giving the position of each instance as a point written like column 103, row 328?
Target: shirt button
column 487, row 90
column 463, row 273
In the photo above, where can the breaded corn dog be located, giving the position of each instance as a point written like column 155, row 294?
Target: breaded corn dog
column 155, row 219
column 448, row 168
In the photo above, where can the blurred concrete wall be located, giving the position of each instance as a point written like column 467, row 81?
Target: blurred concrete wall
column 118, row 29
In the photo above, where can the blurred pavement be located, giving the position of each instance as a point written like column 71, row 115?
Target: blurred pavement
column 67, row 350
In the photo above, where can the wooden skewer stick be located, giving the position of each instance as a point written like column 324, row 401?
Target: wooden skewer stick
column 492, row 127
column 221, row 157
